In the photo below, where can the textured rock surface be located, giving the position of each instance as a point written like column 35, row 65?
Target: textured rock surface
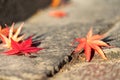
column 57, row 44
column 56, row 36
column 92, row 71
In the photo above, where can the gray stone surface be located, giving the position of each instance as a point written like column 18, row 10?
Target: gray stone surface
column 56, row 36
column 81, row 11
column 91, row 71
column 57, row 44
column 85, row 71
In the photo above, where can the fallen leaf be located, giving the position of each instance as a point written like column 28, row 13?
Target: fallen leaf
column 12, row 34
column 25, row 48
column 4, row 31
column 58, row 14
column 91, row 42
column 55, row 3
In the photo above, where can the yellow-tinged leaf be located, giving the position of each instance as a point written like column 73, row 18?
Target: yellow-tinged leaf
column 12, row 35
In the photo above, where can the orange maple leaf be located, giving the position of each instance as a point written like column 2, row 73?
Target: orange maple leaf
column 91, row 42
column 55, row 3
column 4, row 31
column 12, row 35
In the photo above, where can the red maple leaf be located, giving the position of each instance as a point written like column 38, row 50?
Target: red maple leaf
column 91, row 42
column 58, row 14
column 24, row 47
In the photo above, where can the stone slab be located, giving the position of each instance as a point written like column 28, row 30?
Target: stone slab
column 91, row 71
column 57, row 44
column 97, row 69
column 56, row 36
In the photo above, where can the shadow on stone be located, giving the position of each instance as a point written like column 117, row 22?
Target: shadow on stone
column 19, row 10
column 108, row 39
column 37, row 39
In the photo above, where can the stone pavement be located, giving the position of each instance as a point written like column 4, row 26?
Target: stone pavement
column 56, row 36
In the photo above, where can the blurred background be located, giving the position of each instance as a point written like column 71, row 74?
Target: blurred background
column 38, row 11
column 20, row 10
